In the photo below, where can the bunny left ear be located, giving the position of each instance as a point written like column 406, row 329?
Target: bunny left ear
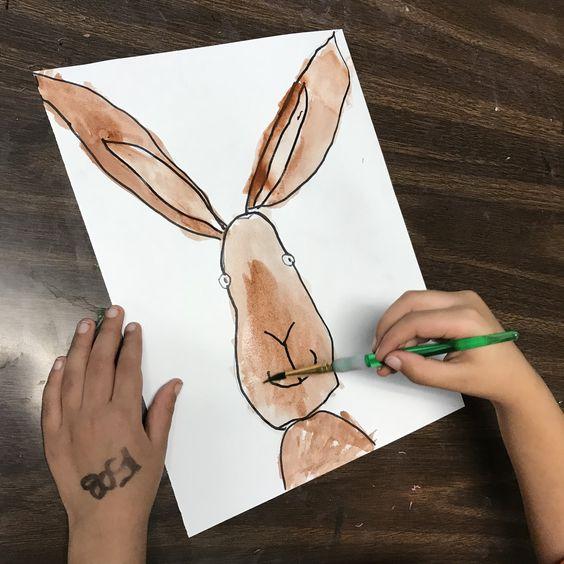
column 131, row 155
column 295, row 145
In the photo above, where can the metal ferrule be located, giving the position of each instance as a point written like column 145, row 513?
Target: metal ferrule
column 315, row 369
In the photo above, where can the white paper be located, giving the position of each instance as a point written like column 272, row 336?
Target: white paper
column 210, row 107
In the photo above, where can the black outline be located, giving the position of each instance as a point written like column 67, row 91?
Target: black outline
column 288, row 255
column 311, row 417
column 219, row 280
column 189, row 181
column 222, row 265
column 264, row 204
column 284, row 343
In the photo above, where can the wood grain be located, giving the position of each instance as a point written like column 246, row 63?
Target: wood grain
column 468, row 102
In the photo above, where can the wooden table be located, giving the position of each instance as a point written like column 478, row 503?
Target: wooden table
column 467, row 100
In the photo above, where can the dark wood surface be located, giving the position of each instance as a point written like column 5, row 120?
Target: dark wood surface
column 467, row 99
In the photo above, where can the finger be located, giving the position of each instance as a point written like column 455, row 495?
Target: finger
column 128, row 380
column 51, row 405
column 454, row 322
column 416, row 300
column 100, row 372
column 385, row 370
column 75, row 365
column 427, row 371
column 159, row 416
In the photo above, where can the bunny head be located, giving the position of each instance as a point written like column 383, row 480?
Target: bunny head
column 278, row 326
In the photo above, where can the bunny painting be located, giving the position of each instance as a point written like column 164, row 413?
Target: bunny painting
column 277, row 323
column 239, row 207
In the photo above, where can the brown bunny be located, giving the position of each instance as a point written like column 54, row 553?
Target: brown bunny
column 277, row 324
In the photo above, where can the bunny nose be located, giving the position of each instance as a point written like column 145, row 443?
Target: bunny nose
column 290, row 381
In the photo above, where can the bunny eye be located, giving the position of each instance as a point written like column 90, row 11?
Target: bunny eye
column 288, row 259
column 224, row 281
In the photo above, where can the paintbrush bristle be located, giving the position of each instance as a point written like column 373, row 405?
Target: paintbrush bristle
column 276, row 377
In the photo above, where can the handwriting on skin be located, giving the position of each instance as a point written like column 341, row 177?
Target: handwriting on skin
column 99, row 484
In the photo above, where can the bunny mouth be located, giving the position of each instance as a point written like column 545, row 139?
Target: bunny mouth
column 290, row 381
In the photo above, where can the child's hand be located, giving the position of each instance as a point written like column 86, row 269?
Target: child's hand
column 496, row 372
column 106, row 464
column 530, row 420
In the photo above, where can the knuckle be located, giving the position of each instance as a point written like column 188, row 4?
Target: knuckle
column 52, row 446
column 405, row 328
column 122, row 417
column 86, row 425
column 470, row 314
column 464, row 381
column 100, row 361
column 130, row 354
column 470, row 296
column 68, row 385
column 414, row 375
column 410, row 294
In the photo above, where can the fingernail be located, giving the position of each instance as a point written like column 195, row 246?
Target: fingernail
column 178, row 387
column 58, row 364
column 130, row 327
column 393, row 362
column 83, row 326
column 112, row 312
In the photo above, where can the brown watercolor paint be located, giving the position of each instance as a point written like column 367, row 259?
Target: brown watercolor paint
column 319, row 444
column 277, row 324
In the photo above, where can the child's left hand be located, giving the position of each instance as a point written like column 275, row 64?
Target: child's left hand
column 107, row 465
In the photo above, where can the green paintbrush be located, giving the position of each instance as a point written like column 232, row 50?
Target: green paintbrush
column 370, row 361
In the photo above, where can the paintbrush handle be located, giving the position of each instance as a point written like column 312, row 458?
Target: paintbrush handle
column 453, row 345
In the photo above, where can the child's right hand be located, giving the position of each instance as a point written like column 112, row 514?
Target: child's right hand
column 498, row 372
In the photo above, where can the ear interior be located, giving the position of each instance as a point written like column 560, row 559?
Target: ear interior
column 304, row 129
column 280, row 145
column 166, row 184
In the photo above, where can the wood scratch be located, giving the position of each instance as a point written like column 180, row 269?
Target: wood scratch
column 339, row 518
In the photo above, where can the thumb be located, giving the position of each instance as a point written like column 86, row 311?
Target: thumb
column 159, row 415
column 426, row 371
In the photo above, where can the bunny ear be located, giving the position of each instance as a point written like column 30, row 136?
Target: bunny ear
column 131, row 155
column 295, row 145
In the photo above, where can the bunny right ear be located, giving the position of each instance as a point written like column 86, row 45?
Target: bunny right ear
column 131, row 155
column 303, row 131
